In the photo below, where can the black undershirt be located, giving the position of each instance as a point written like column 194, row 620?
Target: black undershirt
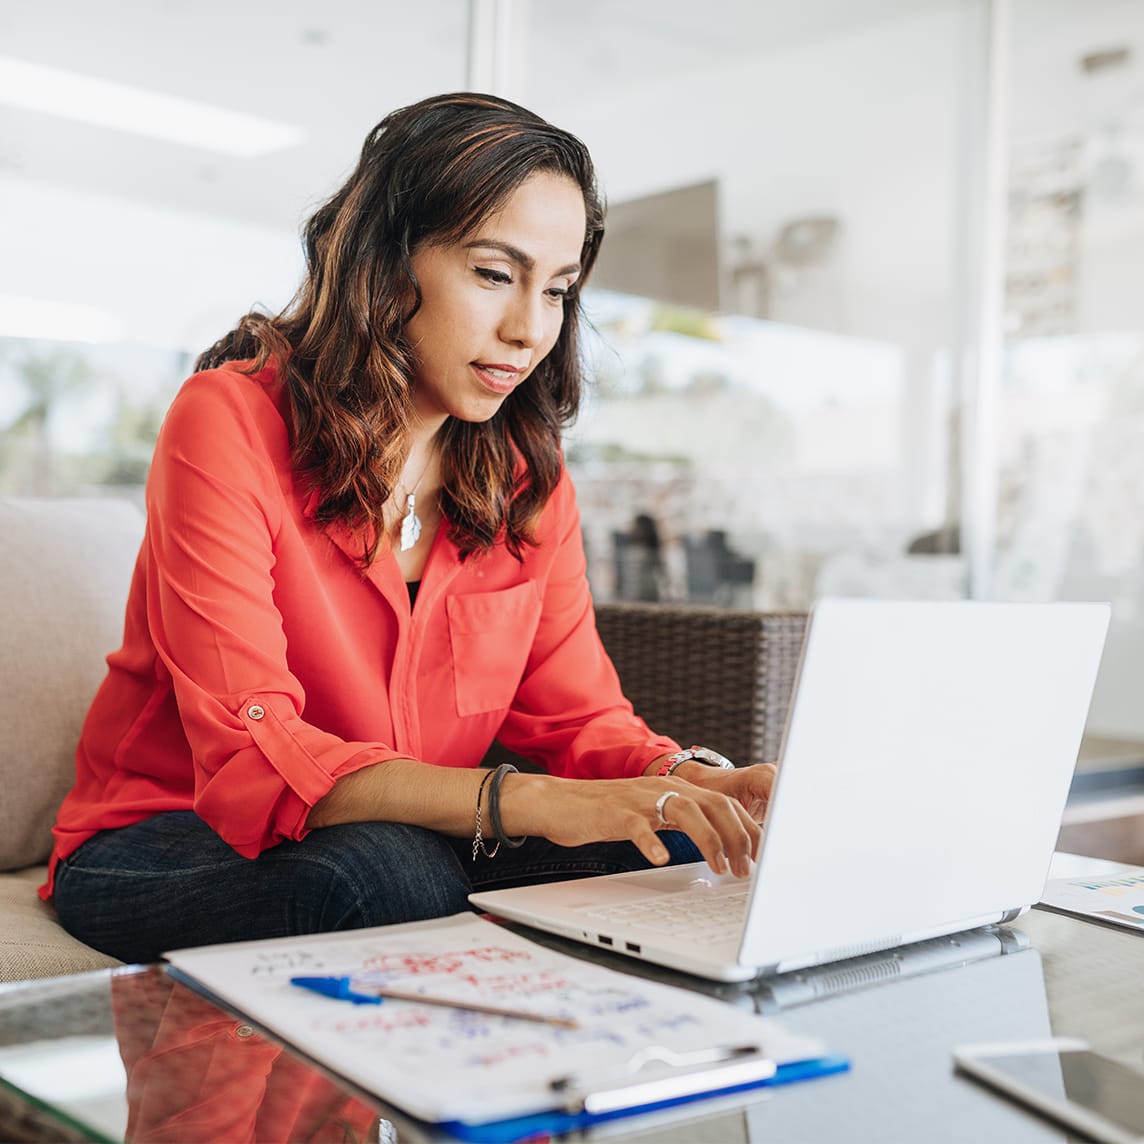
column 412, row 585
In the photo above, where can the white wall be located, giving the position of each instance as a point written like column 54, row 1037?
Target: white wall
column 864, row 126
column 163, row 276
column 861, row 126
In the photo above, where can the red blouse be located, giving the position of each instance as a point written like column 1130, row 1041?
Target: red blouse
column 260, row 664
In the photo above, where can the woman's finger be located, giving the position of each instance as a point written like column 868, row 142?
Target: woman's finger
column 719, row 827
column 647, row 842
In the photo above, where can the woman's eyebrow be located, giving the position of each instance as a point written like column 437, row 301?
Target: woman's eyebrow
column 518, row 256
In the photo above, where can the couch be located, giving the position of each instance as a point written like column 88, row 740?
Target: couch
column 65, row 566
column 702, row 675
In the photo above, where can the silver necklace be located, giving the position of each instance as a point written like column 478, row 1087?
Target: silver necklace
column 411, row 522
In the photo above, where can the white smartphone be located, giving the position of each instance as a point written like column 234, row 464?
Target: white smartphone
column 1066, row 1080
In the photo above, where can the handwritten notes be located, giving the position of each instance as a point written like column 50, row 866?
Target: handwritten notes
column 455, row 1064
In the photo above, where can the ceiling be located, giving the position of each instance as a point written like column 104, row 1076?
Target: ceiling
column 327, row 68
column 333, row 68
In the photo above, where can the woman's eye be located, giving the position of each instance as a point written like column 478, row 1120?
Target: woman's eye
column 491, row 275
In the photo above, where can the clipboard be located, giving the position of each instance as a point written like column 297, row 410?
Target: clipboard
column 690, row 1086
column 635, row 1046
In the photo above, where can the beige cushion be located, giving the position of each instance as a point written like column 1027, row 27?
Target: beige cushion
column 65, row 567
column 32, row 942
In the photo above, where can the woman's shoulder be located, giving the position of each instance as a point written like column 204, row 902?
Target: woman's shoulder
column 228, row 396
column 227, row 408
column 233, row 383
column 560, row 511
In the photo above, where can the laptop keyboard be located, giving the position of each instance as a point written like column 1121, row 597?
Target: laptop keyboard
column 702, row 919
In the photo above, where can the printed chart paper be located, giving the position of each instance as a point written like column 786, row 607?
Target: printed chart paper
column 1114, row 898
column 452, row 1064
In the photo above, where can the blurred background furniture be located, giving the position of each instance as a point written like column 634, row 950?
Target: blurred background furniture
column 716, row 574
column 1104, row 817
column 637, row 559
column 65, row 566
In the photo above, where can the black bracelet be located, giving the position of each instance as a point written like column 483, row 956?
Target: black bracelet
column 494, row 807
column 479, row 846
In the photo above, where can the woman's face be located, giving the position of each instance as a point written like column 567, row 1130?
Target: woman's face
column 493, row 303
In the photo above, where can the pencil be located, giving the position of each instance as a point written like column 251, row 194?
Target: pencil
column 476, row 1007
column 366, row 992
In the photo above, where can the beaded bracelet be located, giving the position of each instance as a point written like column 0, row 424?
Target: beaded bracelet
column 479, row 846
column 494, row 807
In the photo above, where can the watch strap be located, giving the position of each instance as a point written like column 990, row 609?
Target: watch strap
column 694, row 754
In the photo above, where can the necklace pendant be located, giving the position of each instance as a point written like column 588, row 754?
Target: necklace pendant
column 410, row 526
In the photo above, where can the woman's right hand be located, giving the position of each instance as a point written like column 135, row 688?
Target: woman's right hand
column 571, row 812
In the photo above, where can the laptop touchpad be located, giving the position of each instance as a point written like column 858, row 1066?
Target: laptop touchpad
column 695, row 877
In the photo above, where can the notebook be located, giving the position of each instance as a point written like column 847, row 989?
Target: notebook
column 925, row 763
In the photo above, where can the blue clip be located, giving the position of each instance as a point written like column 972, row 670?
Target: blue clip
column 340, row 988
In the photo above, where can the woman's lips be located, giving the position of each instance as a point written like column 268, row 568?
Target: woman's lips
column 499, row 378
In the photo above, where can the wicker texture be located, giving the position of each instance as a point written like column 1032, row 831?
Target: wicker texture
column 707, row 675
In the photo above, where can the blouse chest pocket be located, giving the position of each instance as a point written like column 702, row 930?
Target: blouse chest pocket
column 491, row 634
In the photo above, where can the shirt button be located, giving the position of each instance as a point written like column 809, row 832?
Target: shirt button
column 255, row 712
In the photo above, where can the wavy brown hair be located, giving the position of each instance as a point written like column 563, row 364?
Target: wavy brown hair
column 430, row 173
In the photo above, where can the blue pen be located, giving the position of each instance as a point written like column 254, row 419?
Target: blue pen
column 342, row 989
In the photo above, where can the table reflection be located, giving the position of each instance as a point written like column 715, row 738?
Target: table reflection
column 196, row 1073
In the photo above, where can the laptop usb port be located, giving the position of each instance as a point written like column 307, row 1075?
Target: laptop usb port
column 631, row 947
column 604, row 940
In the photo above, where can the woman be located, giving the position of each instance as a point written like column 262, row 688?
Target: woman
column 362, row 563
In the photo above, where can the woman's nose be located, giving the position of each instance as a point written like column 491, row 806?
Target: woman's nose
column 524, row 322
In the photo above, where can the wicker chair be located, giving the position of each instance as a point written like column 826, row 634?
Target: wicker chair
column 702, row 674
column 707, row 675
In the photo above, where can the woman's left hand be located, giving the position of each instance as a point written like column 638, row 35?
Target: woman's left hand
column 750, row 786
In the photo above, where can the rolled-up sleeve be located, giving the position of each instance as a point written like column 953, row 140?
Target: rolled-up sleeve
column 215, row 508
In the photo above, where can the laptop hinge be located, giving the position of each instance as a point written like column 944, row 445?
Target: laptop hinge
column 838, row 953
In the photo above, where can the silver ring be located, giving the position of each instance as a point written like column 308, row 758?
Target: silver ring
column 661, row 803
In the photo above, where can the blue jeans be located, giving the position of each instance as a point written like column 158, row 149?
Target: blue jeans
column 170, row 881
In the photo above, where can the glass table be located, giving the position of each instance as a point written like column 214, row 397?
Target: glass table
column 130, row 1054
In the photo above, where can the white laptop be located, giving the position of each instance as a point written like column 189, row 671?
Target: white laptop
column 925, row 764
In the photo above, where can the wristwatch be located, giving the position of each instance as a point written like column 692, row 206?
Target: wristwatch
column 703, row 755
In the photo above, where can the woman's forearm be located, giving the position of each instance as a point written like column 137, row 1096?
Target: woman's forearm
column 566, row 811
column 421, row 794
